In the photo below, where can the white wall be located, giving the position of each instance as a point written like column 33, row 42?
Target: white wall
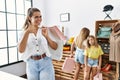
column 83, row 13
column 16, row 69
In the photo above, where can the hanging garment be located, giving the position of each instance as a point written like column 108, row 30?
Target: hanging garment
column 114, row 48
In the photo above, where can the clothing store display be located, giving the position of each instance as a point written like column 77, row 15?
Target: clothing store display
column 114, row 48
column 105, row 42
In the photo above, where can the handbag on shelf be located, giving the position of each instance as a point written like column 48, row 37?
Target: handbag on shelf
column 104, row 32
column 98, row 76
column 68, row 65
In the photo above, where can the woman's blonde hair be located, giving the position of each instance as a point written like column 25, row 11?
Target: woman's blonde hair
column 95, row 41
column 84, row 33
column 29, row 14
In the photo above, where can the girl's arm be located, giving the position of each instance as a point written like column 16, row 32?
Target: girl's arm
column 86, row 62
column 100, row 63
column 72, row 48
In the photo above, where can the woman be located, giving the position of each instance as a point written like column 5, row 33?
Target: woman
column 33, row 44
column 79, row 53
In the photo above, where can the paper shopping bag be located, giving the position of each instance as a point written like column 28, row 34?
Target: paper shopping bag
column 56, row 54
column 68, row 65
column 57, row 32
column 98, row 76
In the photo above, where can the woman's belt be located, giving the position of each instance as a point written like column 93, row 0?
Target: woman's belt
column 38, row 57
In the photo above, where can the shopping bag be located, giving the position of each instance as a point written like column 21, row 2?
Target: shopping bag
column 56, row 54
column 98, row 76
column 56, row 32
column 104, row 32
column 68, row 65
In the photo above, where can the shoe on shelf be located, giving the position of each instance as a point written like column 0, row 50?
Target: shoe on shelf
column 107, row 68
column 104, row 66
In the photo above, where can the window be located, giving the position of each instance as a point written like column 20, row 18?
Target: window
column 12, row 16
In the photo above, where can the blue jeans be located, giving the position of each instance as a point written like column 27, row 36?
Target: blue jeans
column 40, row 69
column 79, row 55
column 92, row 63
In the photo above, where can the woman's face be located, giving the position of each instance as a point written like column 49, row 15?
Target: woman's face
column 36, row 18
column 91, row 41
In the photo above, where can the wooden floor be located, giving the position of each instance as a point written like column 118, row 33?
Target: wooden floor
column 110, row 75
column 106, row 76
column 56, row 78
column 59, row 78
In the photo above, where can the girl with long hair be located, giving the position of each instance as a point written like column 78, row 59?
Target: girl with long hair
column 79, row 53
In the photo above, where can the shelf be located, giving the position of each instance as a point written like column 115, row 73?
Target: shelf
column 102, row 38
column 106, row 54
column 103, row 23
column 105, row 40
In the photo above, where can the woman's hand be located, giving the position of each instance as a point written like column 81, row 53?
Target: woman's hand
column 71, row 56
column 51, row 43
column 31, row 28
column 44, row 31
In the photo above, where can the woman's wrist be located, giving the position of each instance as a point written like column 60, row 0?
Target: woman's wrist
column 46, row 36
column 27, row 32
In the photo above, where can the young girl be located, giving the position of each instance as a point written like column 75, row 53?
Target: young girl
column 93, row 58
column 79, row 53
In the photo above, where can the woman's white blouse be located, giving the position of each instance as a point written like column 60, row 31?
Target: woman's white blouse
column 36, row 45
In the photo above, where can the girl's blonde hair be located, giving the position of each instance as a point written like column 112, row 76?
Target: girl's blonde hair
column 29, row 14
column 95, row 41
column 84, row 33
